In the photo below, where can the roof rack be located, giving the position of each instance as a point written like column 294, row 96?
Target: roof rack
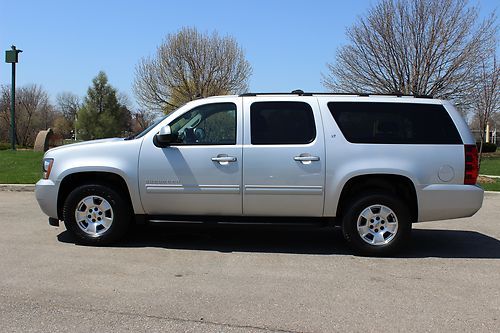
column 299, row 92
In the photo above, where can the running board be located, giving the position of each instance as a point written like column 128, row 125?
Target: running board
column 241, row 220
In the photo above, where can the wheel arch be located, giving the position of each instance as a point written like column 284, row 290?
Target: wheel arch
column 398, row 185
column 71, row 181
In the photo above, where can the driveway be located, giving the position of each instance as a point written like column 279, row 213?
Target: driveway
column 246, row 279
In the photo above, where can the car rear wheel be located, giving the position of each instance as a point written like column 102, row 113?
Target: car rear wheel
column 96, row 214
column 376, row 224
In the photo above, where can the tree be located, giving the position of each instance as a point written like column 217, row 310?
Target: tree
column 68, row 104
column 485, row 96
column 4, row 113
column 62, row 126
column 34, row 112
column 142, row 118
column 101, row 115
column 419, row 47
column 188, row 65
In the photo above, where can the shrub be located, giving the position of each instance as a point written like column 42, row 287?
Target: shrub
column 7, row 146
column 487, row 147
column 4, row 145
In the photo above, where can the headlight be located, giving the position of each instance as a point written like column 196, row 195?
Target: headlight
column 47, row 167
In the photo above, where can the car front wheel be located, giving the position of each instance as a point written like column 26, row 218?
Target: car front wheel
column 96, row 214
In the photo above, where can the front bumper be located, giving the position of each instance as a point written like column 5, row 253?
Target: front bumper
column 448, row 201
column 46, row 195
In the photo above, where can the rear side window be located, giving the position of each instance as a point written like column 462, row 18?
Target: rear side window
column 282, row 123
column 394, row 123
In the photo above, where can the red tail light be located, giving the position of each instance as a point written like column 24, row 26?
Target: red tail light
column 471, row 165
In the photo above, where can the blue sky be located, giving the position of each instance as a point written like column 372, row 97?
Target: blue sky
column 66, row 43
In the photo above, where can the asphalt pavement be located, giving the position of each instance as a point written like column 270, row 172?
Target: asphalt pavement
column 246, row 279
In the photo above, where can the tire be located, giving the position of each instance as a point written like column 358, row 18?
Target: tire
column 96, row 214
column 376, row 224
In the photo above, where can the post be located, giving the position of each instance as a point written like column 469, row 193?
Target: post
column 487, row 140
column 76, row 120
column 11, row 57
column 13, row 108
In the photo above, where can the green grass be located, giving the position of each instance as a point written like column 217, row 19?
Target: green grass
column 20, row 166
column 7, row 146
column 490, row 164
column 493, row 185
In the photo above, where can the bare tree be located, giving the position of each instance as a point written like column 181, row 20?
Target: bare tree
column 420, row 47
column 63, row 126
column 68, row 104
column 485, row 95
column 33, row 112
column 4, row 113
column 142, row 118
column 188, row 65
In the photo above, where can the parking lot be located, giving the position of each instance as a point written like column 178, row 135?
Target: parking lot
column 246, row 279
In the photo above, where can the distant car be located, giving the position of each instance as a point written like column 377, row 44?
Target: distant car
column 370, row 164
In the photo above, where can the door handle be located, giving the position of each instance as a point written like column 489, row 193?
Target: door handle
column 224, row 159
column 306, row 158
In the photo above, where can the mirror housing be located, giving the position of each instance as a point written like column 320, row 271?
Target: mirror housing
column 164, row 137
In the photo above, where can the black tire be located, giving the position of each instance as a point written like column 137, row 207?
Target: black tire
column 120, row 214
column 390, row 240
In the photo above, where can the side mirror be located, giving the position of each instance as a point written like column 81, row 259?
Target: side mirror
column 164, row 137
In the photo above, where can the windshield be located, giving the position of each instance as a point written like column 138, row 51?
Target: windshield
column 144, row 132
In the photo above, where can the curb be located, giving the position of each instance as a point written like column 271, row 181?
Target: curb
column 489, row 176
column 17, row 187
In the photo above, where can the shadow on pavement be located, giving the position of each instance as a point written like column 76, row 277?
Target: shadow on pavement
column 300, row 240
column 452, row 244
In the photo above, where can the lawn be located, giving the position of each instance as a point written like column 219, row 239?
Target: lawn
column 490, row 164
column 20, row 167
column 489, row 184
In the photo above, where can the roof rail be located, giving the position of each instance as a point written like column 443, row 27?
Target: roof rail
column 295, row 92
column 299, row 92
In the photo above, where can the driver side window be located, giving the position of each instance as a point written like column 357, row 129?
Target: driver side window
column 209, row 124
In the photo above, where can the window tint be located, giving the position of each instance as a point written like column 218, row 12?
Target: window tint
column 281, row 123
column 395, row 123
column 209, row 124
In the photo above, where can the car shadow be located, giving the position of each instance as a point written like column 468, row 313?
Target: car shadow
column 299, row 240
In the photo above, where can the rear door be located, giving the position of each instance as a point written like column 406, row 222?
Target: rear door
column 283, row 157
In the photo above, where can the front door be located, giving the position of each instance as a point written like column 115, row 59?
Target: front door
column 201, row 173
column 284, row 157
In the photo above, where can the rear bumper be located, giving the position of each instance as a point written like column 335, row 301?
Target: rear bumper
column 442, row 202
column 46, row 195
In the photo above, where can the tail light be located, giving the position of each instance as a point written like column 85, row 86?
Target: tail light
column 471, row 165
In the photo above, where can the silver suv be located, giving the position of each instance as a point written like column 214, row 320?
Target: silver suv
column 370, row 164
